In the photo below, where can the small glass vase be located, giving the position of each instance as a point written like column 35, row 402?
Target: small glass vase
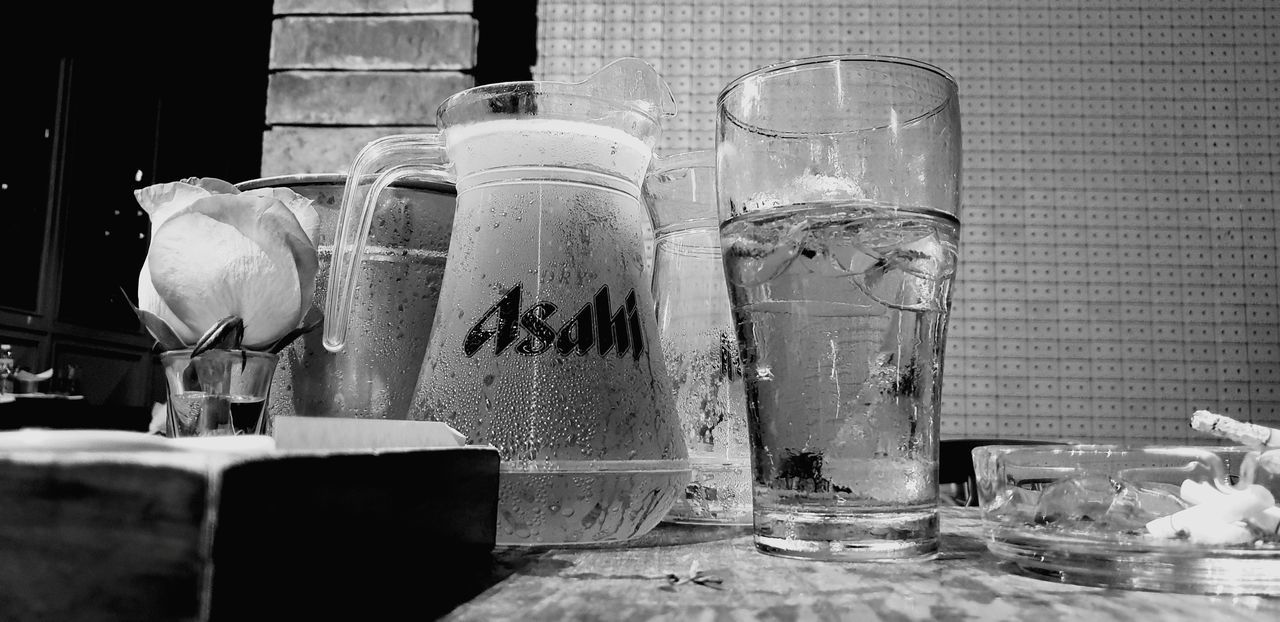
column 219, row 392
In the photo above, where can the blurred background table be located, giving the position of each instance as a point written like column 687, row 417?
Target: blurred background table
column 966, row 582
column 47, row 410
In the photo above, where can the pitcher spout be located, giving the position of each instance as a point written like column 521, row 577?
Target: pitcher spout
column 635, row 84
column 626, row 94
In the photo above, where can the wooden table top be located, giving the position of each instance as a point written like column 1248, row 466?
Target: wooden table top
column 965, row 582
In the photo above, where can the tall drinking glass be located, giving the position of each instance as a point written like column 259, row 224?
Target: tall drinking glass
column 838, row 185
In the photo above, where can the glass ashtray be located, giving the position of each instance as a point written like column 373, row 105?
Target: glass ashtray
column 1115, row 516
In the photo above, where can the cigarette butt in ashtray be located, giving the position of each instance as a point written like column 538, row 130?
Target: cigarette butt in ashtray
column 1215, row 522
column 1267, row 519
column 1214, row 533
column 1238, row 431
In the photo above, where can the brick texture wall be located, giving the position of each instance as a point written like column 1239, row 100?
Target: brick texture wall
column 344, row 72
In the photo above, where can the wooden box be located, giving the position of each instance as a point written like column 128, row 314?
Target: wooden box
column 188, row 535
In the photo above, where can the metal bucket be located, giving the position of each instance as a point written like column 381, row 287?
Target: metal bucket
column 392, row 311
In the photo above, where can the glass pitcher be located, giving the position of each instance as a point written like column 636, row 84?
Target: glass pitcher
column 374, row 375
column 698, row 339
column 544, row 342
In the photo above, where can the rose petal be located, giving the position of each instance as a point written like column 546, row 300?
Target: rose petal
column 150, row 301
column 310, row 321
column 235, row 255
column 208, row 270
column 162, row 201
column 216, row 186
column 303, row 209
column 274, row 227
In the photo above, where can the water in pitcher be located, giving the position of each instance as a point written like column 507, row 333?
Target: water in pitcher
column 390, row 333
column 847, row 305
column 544, row 338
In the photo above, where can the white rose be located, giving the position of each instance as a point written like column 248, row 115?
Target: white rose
column 217, row 252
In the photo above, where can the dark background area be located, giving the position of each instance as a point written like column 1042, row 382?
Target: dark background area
column 102, row 99
column 507, row 48
column 106, row 98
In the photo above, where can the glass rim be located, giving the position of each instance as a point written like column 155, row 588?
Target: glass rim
column 168, row 354
column 953, row 90
column 842, row 58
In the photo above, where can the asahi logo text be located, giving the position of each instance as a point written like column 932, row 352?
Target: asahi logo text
column 595, row 326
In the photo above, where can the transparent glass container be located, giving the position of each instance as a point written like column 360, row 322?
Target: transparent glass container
column 1173, row 519
column 698, row 338
column 219, row 392
column 543, row 341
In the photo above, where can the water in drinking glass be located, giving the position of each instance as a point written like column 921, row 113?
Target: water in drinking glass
column 844, row 306
column 219, row 392
column 228, row 414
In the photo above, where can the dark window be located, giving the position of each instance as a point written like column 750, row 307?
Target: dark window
column 110, row 150
column 27, row 133
column 100, row 99
column 507, row 48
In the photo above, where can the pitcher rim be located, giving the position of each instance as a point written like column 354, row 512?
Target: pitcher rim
column 654, row 111
column 651, row 113
column 293, row 180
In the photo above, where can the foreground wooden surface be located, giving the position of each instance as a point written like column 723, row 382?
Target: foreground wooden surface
column 188, row 535
column 965, row 583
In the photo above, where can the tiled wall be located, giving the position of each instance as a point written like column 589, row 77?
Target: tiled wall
column 1119, row 255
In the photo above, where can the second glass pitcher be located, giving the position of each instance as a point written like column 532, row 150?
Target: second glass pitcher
column 544, row 342
column 699, row 340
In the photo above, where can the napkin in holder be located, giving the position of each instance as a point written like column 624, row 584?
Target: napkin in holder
column 131, row 526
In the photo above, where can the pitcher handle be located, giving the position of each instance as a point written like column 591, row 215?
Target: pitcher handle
column 385, row 161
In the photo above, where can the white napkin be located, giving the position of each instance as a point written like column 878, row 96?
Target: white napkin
column 345, row 433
